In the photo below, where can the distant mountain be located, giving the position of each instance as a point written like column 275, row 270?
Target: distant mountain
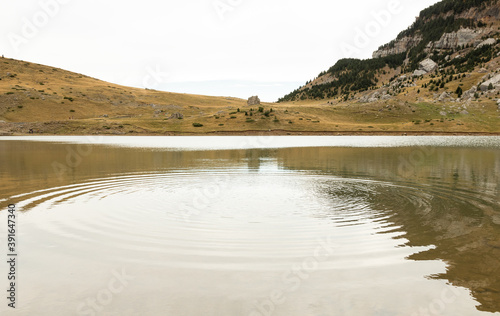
column 458, row 35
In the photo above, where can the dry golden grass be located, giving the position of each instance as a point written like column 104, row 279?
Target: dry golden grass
column 55, row 101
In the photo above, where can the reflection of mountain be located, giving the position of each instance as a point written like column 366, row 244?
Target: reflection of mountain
column 30, row 166
column 448, row 197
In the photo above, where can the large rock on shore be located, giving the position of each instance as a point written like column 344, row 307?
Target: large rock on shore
column 254, row 100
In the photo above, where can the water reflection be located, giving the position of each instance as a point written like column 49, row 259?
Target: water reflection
column 249, row 215
column 443, row 196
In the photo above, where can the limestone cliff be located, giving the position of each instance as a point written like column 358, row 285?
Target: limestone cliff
column 467, row 27
column 399, row 46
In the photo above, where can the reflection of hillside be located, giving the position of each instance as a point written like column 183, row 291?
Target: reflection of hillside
column 29, row 166
column 447, row 197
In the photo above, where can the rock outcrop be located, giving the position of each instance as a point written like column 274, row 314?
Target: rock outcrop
column 375, row 96
column 445, row 96
column 495, row 81
column 489, row 41
column 455, row 39
column 469, row 94
column 464, row 36
column 253, row 101
column 400, row 46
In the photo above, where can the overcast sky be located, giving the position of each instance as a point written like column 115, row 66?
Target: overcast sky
column 215, row 47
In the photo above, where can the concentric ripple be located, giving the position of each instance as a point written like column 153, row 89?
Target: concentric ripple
column 217, row 230
column 231, row 219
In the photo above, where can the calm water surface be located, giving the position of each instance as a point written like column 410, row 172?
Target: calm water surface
column 253, row 226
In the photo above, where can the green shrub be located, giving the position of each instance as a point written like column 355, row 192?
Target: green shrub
column 197, row 125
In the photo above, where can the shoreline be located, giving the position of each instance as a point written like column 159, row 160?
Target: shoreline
column 275, row 133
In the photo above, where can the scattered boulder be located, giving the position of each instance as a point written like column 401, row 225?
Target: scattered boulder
column 467, row 95
column 375, row 96
column 498, row 103
column 178, row 116
column 444, row 96
column 418, row 73
column 428, row 65
column 253, row 100
column 495, row 81
column 425, row 66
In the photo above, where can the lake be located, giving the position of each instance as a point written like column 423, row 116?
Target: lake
column 253, row 226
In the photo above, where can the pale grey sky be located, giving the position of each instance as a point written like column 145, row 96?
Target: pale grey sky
column 215, row 47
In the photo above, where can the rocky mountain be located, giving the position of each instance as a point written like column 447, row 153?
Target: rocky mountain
column 451, row 40
column 446, row 25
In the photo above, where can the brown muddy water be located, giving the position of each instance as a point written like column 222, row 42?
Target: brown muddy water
column 252, row 226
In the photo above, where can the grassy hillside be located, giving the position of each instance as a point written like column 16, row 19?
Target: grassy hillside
column 54, row 101
column 350, row 76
